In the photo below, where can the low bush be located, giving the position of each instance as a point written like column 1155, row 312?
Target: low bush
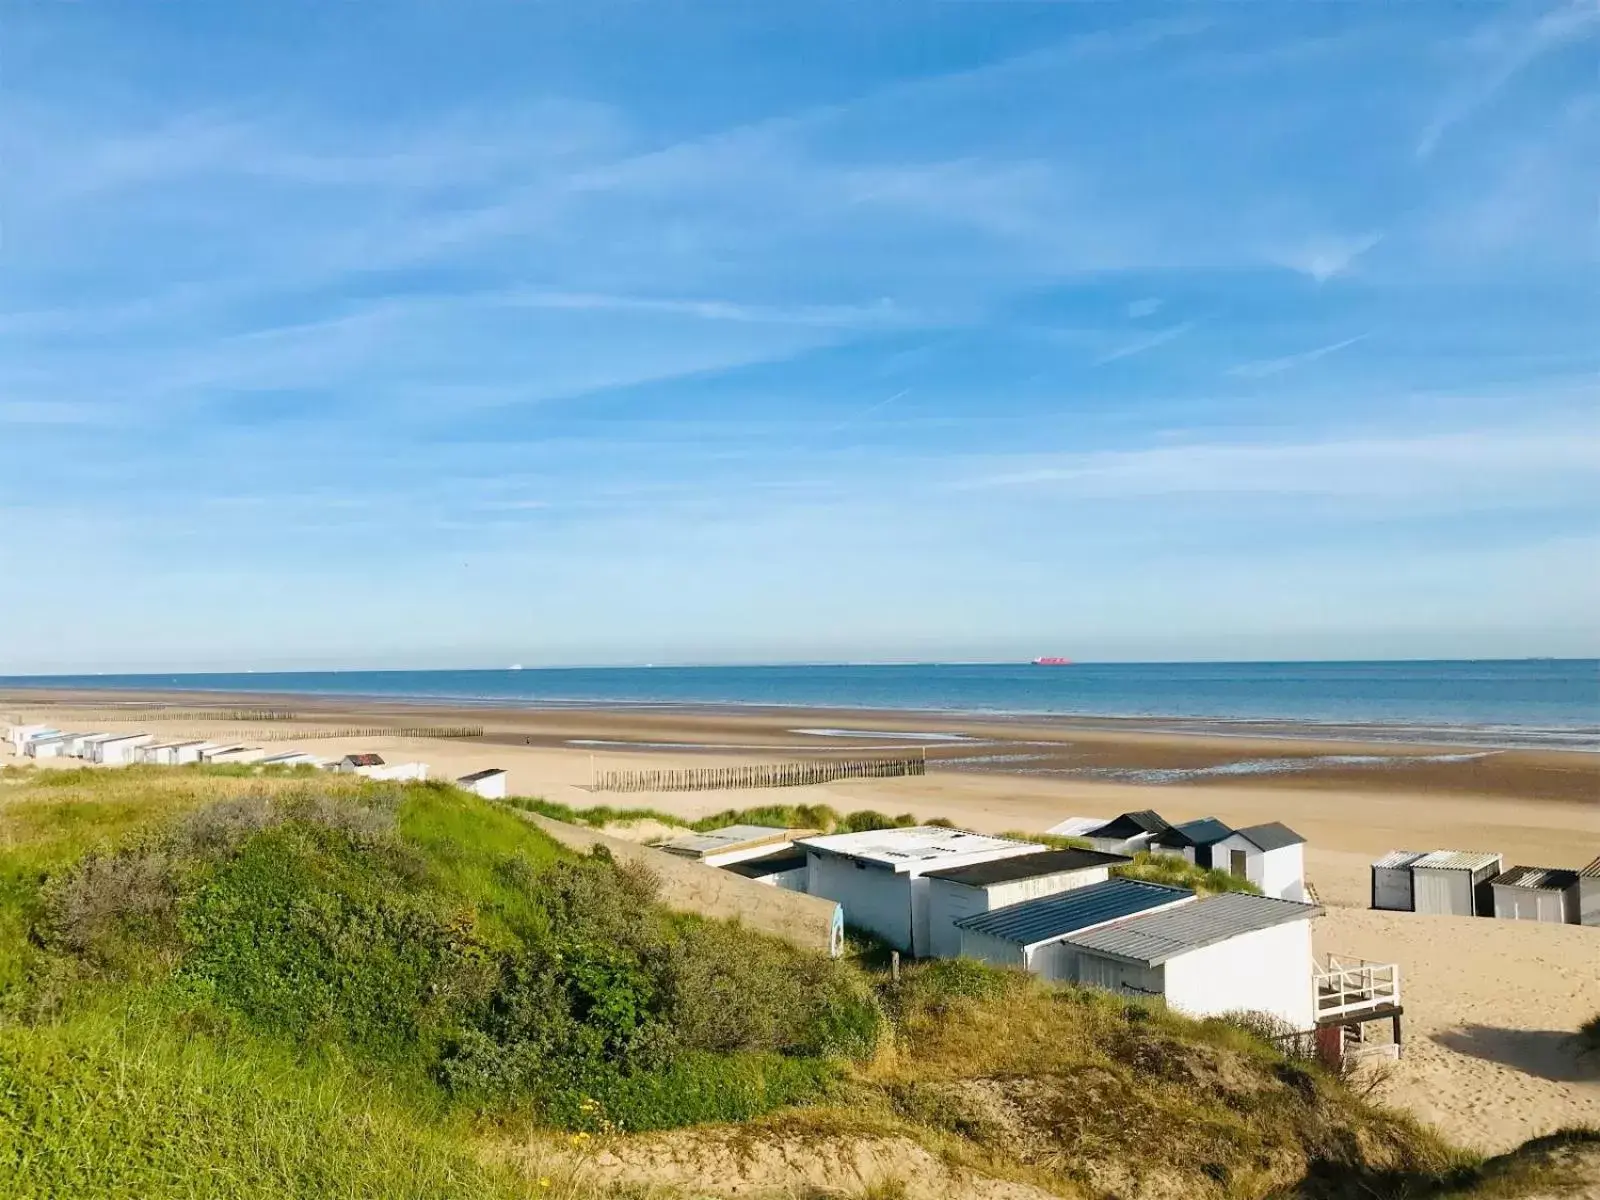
column 1175, row 871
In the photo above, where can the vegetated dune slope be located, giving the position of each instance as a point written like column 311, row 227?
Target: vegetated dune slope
column 236, row 983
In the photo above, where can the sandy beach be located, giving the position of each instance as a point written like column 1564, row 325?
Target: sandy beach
column 1488, row 1003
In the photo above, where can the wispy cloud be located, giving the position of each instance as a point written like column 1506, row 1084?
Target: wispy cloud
column 1263, row 367
column 1145, row 344
column 1506, row 53
column 1323, row 258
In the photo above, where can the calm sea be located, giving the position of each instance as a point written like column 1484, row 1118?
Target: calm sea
column 1525, row 702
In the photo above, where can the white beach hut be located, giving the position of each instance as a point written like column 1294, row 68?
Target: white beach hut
column 121, row 749
column 233, row 755
column 783, row 869
column 1455, row 882
column 733, row 843
column 1536, row 894
column 188, row 752
column 407, row 772
column 490, row 783
column 1127, row 834
column 1391, row 880
column 955, row 893
column 18, row 735
column 1223, row 954
column 291, row 758
column 1589, row 894
column 879, row 877
column 1076, row 826
column 358, row 764
column 1030, row 935
column 46, row 746
column 1271, row 856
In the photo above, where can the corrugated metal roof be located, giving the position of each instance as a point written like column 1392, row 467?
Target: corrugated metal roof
column 1397, row 858
column 1027, row 866
column 1552, row 879
column 1592, row 871
column 918, row 844
column 1273, row 835
column 1206, row 831
column 1160, row 936
column 1455, row 860
column 1051, row 916
column 729, row 837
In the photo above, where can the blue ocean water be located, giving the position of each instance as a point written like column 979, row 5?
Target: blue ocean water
column 1534, row 701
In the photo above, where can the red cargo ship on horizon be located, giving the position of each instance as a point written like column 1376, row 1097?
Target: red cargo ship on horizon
column 1050, row 661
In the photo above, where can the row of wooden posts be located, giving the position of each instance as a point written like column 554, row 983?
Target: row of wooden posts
column 366, row 731
column 763, row 775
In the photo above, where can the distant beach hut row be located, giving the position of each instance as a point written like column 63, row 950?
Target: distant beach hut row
column 1271, row 855
column 1468, row 883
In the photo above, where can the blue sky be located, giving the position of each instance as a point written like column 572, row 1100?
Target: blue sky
column 396, row 334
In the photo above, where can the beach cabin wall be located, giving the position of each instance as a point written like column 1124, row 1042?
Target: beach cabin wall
column 1278, row 870
column 1391, row 881
column 949, row 900
column 490, row 784
column 123, row 750
column 1462, row 890
column 1589, row 894
column 1536, row 894
column 874, row 897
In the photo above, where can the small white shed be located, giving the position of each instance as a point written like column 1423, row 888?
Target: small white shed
column 1076, row 826
column 1589, row 894
column 1391, row 880
column 489, row 783
column 1454, row 882
column 1224, row 954
column 358, row 764
column 225, row 755
column 291, row 758
column 1536, row 894
column 958, row 892
column 121, row 749
column 45, row 745
column 1032, row 935
column 783, row 869
column 878, row 877
column 409, row 772
column 18, row 735
column 1271, row 856
column 1127, row 834
column 733, row 843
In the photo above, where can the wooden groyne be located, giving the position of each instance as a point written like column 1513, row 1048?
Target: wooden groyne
column 762, row 775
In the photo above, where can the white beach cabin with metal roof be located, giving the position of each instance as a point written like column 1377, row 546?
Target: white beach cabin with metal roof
column 1126, row 834
column 958, row 892
column 20, row 735
column 1536, row 894
column 878, row 877
column 782, row 869
column 1454, row 882
column 1271, row 856
column 489, row 783
column 120, row 749
column 1030, row 935
column 732, row 843
column 1229, row 953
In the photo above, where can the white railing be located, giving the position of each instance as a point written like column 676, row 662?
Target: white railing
column 1352, row 985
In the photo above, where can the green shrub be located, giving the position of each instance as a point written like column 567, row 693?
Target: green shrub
column 1175, row 871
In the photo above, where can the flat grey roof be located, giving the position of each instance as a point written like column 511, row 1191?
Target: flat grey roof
column 729, row 837
column 486, row 773
column 1066, row 912
column 1274, row 835
column 1153, row 939
column 1028, row 866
